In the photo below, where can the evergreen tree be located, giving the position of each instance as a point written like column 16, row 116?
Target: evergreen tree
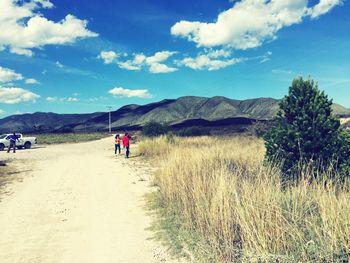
column 306, row 133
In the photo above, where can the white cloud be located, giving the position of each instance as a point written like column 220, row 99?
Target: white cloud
column 59, row 64
column 23, row 28
column 133, row 64
column 96, row 99
column 16, row 95
column 121, row 92
column 2, row 112
column 210, row 60
column 31, row 81
column 8, row 75
column 249, row 23
column 129, row 65
column 161, row 68
column 44, row 3
column 323, row 7
column 51, row 99
column 21, row 51
column 108, row 57
column 282, row 71
column 202, row 62
column 71, row 70
column 264, row 58
column 160, row 57
column 56, row 99
column 71, row 99
column 217, row 53
column 155, row 63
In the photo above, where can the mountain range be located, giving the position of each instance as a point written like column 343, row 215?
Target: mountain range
column 179, row 113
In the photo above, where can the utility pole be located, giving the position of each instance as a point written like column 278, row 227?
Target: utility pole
column 110, row 119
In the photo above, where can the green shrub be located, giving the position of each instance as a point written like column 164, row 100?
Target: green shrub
column 153, row 129
column 306, row 134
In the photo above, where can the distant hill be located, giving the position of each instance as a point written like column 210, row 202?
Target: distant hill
column 186, row 109
column 181, row 112
column 42, row 122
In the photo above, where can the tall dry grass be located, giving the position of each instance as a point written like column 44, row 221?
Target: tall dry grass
column 220, row 189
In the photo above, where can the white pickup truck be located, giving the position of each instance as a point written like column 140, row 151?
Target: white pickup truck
column 22, row 142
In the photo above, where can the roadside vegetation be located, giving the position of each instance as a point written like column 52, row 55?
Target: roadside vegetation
column 10, row 172
column 221, row 191
column 58, row 138
column 239, row 199
column 154, row 129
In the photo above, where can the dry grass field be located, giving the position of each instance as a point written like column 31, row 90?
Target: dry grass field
column 221, row 192
column 58, row 138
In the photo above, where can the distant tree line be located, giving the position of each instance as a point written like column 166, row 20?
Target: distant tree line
column 154, row 129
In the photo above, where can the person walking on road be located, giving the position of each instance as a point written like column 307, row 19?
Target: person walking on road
column 117, row 144
column 126, row 144
column 13, row 138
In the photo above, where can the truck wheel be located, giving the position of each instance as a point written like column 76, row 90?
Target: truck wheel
column 27, row 145
column 2, row 147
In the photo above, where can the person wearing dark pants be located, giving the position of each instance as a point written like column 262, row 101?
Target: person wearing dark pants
column 127, row 151
column 13, row 138
column 117, row 144
column 126, row 144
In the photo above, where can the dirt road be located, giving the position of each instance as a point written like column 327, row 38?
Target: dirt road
column 79, row 204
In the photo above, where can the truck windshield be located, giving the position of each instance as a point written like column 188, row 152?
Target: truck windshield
column 3, row 136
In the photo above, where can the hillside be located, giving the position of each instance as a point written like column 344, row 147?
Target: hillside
column 187, row 110
column 42, row 122
column 182, row 112
column 191, row 110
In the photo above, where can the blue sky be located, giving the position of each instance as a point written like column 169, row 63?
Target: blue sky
column 82, row 56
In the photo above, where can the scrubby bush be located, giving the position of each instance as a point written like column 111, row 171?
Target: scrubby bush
column 153, row 129
column 193, row 131
column 307, row 134
column 259, row 128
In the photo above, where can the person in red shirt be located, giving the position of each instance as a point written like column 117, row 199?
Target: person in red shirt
column 126, row 144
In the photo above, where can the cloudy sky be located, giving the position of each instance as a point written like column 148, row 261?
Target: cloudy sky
column 81, row 56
